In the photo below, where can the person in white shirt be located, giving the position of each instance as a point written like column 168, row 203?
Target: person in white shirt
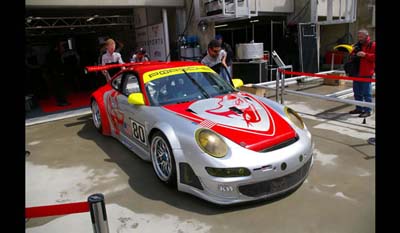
column 111, row 57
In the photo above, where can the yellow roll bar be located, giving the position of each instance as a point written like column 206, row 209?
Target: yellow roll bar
column 344, row 47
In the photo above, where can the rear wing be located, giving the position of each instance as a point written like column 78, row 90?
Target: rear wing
column 105, row 68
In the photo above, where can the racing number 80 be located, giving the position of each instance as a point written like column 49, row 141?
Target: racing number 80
column 138, row 132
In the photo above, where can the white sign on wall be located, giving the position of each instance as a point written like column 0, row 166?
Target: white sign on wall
column 156, row 42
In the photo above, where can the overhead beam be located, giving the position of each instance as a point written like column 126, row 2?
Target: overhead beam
column 103, row 3
column 39, row 23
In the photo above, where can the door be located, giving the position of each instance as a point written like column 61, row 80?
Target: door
column 133, row 130
column 309, row 61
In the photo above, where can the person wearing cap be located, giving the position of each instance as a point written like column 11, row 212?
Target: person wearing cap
column 140, row 56
column 364, row 54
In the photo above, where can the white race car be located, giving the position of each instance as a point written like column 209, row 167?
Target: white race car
column 201, row 134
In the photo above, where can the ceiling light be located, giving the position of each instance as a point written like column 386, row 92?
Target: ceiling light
column 29, row 19
column 220, row 26
column 92, row 18
column 254, row 21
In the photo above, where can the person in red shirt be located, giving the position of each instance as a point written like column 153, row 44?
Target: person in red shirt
column 364, row 54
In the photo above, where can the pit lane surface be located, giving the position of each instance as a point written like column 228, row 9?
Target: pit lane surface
column 69, row 160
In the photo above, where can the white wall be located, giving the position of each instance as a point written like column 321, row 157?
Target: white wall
column 337, row 6
column 111, row 3
column 278, row 6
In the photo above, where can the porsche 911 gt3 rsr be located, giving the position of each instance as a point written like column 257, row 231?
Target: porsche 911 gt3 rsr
column 201, row 134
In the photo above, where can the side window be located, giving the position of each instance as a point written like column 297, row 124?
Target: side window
column 131, row 85
column 116, row 83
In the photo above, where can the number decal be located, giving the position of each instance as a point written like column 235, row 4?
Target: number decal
column 138, row 132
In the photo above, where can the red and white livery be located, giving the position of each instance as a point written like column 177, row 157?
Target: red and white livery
column 201, row 134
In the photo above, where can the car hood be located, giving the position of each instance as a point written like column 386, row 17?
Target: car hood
column 239, row 117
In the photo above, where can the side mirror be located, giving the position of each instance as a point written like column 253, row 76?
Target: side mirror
column 136, row 99
column 237, row 82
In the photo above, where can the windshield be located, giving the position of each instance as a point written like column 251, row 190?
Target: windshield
column 186, row 87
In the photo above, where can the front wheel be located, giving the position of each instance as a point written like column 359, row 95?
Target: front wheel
column 163, row 159
column 96, row 117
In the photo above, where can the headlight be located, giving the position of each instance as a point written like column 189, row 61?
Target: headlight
column 211, row 143
column 294, row 117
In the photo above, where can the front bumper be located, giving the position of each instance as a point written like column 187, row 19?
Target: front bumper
column 262, row 184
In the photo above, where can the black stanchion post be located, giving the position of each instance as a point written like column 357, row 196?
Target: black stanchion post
column 98, row 213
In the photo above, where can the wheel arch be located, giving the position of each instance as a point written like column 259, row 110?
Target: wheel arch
column 168, row 131
column 103, row 113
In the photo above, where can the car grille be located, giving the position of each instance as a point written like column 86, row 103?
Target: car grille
column 275, row 185
column 281, row 145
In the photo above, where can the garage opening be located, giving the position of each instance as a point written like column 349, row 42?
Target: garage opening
column 59, row 44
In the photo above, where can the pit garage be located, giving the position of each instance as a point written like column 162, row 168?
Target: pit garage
column 82, row 31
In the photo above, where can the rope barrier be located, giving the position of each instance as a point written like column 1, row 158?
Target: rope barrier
column 327, row 76
column 95, row 205
column 52, row 210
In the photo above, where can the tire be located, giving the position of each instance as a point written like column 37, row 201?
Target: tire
column 96, row 117
column 163, row 159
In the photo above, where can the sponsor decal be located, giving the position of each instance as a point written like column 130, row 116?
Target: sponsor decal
column 234, row 110
column 127, row 129
column 232, row 105
column 115, row 115
column 207, row 124
column 156, row 74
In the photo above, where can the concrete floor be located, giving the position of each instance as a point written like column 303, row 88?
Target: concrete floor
column 70, row 160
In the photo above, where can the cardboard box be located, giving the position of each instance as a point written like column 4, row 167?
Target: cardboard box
column 335, row 82
column 256, row 91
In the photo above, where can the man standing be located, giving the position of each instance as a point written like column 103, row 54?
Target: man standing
column 57, row 69
column 215, row 59
column 364, row 53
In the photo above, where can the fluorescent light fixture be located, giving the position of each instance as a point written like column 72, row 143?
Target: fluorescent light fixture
column 220, row 26
column 29, row 19
column 254, row 21
column 92, row 18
